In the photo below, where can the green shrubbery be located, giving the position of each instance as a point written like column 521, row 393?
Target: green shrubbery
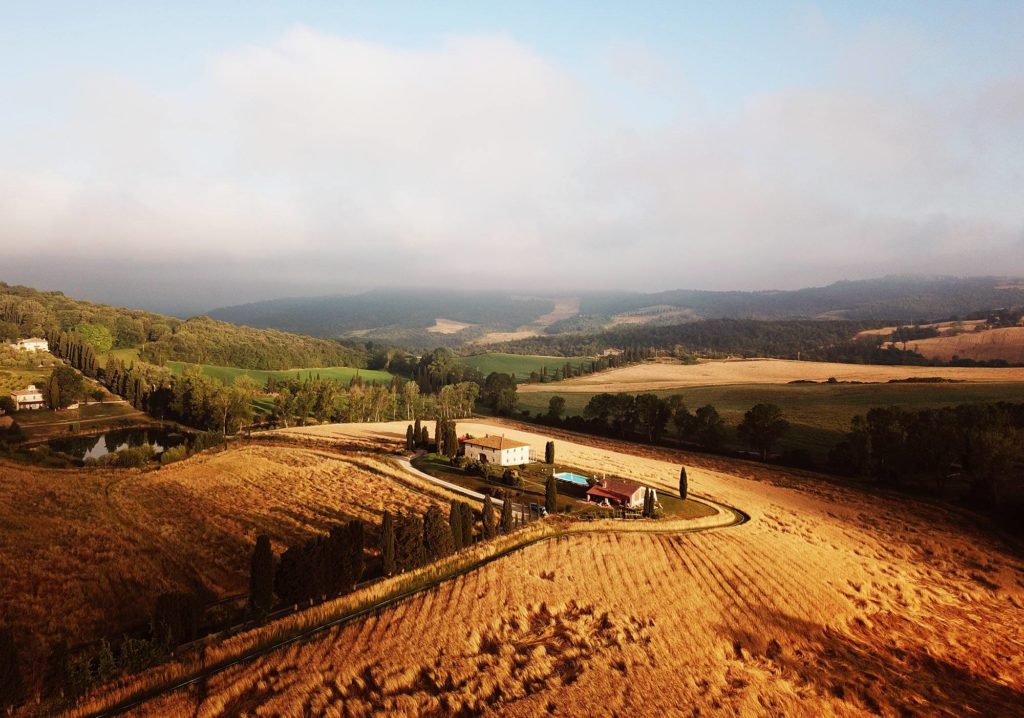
column 175, row 453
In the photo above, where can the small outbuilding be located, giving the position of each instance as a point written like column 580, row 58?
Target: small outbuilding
column 32, row 344
column 29, row 398
column 617, row 492
column 497, row 450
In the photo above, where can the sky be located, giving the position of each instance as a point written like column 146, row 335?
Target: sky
column 189, row 155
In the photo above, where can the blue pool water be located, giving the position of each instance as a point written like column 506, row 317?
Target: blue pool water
column 571, row 477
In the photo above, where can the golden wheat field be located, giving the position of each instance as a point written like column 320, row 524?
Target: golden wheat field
column 829, row 601
column 655, row 376
column 1006, row 343
column 84, row 553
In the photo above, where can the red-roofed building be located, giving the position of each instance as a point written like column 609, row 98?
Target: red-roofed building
column 617, row 492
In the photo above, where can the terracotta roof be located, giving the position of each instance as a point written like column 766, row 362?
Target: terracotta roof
column 495, row 442
column 615, row 489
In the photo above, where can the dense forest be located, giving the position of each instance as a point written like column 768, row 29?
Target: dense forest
column 200, row 340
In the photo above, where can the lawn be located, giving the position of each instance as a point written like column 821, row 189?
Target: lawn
column 534, row 478
column 519, row 364
column 818, row 413
column 342, row 374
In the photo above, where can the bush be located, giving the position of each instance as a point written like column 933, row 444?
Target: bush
column 207, row 439
column 134, row 458
column 175, row 453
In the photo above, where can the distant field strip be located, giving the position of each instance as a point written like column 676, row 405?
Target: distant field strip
column 1006, row 344
column 337, row 373
column 519, row 364
column 664, row 375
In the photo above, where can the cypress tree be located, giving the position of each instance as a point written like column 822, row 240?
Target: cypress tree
column 549, row 452
column 424, row 437
column 455, row 522
column 355, row 558
column 451, row 440
column 439, row 436
column 387, row 543
column 410, row 441
column 551, row 495
column 261, row 577
column 488, row 520
column 56, row 678
column 682, row 482
column 437, row 534
column 408, row 542
column 467, row 523
column 12, row 688
column 417, row 432
column 506, row 516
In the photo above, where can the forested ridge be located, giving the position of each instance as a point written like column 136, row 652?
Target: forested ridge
column 200, row 340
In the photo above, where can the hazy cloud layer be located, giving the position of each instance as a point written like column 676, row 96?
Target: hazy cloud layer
column 320, row 163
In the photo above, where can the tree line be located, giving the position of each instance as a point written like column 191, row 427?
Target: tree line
column 981, row 444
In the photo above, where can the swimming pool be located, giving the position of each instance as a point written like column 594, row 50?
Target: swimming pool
column 571, row 478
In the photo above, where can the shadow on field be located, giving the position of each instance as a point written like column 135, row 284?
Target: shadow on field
column 882, row 668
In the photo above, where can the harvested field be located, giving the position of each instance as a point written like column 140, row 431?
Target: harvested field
column 564, row 308
column 70, row 540
column 828, row 602
column 1006, row 344
column 447, row 326
column 653, row 376
column 964, row 325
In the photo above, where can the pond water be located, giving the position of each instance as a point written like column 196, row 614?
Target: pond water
column 95, row 446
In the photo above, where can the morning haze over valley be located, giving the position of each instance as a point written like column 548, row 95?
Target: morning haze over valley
column 576, row 359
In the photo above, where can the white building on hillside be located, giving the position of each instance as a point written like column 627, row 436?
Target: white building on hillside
column 32, row 344
column 497, row 450
column 30, row 398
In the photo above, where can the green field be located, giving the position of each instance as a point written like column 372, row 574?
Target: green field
column 819, row 414
column 342, row 374
column 519, row 364
column 129, row 355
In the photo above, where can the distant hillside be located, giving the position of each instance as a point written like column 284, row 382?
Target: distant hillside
column 25, row 312
column 432, row 318
column 398, row 316
column 899, row 298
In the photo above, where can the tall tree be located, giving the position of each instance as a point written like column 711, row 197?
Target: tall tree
column 387, row 543
column 12, row 687
column 549, row 452
column 451, row 440
column 551, row 495
column 261, row 577
column 408, row 542
column 488, row 520
column 439, row 435
column 761, row 427
column 424, row 437
column 437, row 534
column 410, row 441
column 417, row 432
column 455, row 522
column 467, row 524
column 506, row 516
column 556, row 408
column 682, row 482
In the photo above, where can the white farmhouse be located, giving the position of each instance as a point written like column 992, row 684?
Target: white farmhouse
column 32, row 344
column 30, row 398
column 497, row 450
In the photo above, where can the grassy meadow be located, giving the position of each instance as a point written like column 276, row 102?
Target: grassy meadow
column 342, row 374
column 818, row 413
column 519, row 364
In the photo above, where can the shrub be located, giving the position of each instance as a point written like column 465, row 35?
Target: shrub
column 175, row 453
column 135, row 457
column 207, row 439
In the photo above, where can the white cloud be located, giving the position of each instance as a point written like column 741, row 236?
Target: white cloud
column 336, row 162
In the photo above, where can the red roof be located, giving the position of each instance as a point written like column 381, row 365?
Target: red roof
column 616, row 489
column 494, row 442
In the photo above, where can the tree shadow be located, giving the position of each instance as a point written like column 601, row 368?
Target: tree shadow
column 866, row 666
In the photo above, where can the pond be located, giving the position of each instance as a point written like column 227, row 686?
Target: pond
column 95, row 446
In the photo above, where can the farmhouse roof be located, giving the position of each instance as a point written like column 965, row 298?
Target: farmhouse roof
column 26, row 392
column 614, row 489
column 495, row 442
